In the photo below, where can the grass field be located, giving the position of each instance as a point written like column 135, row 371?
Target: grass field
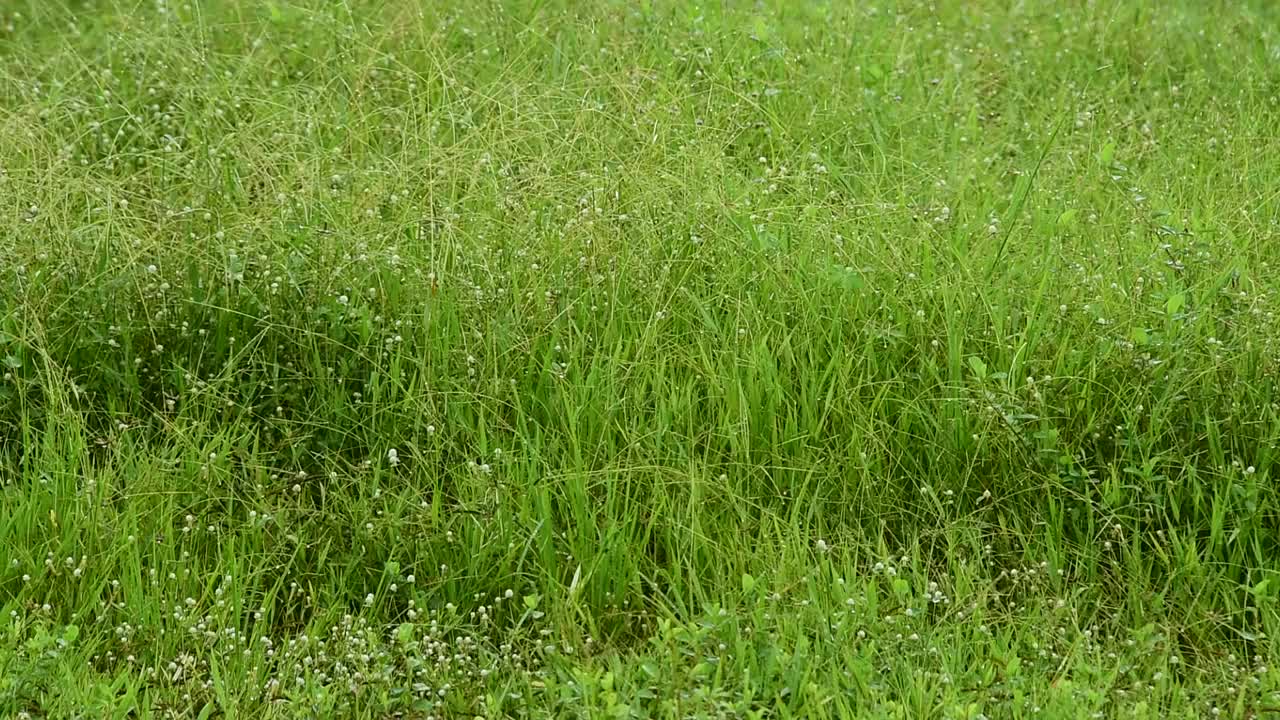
column 639, row 359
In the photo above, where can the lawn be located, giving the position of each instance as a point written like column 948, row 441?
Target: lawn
column 639, row 359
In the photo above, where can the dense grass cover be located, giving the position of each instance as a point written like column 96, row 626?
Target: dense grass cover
column 639, row 359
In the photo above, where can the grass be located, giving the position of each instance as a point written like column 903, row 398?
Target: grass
column 639, row 359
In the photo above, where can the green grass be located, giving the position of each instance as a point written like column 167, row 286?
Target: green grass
column 639, row 359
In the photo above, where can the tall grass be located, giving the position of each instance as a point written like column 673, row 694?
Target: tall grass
column 384, row 359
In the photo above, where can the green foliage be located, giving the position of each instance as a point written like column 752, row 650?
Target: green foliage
column 638, row 360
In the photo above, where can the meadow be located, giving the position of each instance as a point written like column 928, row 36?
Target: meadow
column 639, row 359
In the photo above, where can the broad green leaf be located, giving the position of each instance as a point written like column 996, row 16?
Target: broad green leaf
column 1012, row 668
column 760, row 29
column 1108, row 154
column 979, row 368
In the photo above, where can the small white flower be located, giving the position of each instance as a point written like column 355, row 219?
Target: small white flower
column 392, row 457
column 822, row 546
column 343, row 299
